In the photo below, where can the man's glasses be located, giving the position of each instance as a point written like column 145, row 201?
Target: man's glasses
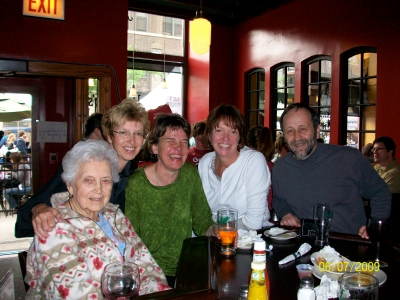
column 373, row 150
column 127, row 134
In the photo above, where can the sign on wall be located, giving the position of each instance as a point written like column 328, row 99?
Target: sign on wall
column 50, row 9
column 51, row 132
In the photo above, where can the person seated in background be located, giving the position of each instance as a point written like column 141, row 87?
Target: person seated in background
column 280, row 148
column 94, row 233
column 233, row 175
column 198, row 150
column 22, row 172
column 165, row 200
column 260, row 138
column 387, row 166
column 315, row 173
column 20, row 143
column 124, row 126
column 367, row 152
column 3, row 141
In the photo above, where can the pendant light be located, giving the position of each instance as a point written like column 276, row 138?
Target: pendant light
column 132, row 91
column 164, row 83
column 200, row 33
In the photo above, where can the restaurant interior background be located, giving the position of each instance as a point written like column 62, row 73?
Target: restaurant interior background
column 91, row 42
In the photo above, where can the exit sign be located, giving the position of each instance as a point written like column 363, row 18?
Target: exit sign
column 51, row 9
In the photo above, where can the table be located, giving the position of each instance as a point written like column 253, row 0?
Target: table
column 204, row 274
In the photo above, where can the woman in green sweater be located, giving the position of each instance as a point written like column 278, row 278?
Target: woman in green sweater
column 165, row 201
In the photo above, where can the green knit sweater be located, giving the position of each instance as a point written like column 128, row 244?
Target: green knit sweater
column 164, row 216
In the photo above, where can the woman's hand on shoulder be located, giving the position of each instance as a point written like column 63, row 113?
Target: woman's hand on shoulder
column 43, row 219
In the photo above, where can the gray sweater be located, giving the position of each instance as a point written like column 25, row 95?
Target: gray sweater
column 333, row 174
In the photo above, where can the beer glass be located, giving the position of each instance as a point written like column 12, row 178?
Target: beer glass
column 323, row 214
column 356, row 285
column 227, row 220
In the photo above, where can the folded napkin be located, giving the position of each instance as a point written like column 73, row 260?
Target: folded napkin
column 327, row 289
column 302, row 250
column 247, row 237
column 276, row 231
column 330, row 255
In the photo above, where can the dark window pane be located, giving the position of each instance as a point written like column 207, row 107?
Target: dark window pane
column 280, row 98
column 368, row 118
column 177, row 27
column 353, row 92
column 370, row 91
column 313, row 95
column 260, row 119
column 325, row 97
column 252, row 119
column 167, row 26
column 261, row 85
column 253, row 82
column 313, row 70
column 253, row 100
column 290, row 76
column 290, row 96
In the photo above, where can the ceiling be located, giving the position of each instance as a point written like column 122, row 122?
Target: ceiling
column 220, row 12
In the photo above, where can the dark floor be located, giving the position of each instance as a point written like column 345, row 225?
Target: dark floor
column 8, row 262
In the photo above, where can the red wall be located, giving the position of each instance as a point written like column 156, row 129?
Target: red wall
column 305, row 28
column 93, row 32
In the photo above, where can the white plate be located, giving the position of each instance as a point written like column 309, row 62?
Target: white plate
column 281, row 237
column 380, row 275
column 246, row 247
column 316, row 255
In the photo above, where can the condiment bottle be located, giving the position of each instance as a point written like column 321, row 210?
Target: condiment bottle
column 260, row 254
column 306, row 290
column 243, row 292
column 257, row 287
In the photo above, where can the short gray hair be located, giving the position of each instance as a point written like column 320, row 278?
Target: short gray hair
column 85, row 151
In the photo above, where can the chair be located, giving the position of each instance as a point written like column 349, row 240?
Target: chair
column 395, row 216
column 22, row 263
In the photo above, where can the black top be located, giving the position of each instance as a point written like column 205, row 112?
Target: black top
column 23, row 225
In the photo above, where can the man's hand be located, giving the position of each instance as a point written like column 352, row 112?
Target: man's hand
column 43, row 219
column 290, row 220
column 363, row 232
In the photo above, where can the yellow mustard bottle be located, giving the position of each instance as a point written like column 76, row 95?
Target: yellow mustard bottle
column 257, row 286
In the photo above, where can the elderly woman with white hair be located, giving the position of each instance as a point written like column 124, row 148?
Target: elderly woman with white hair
column 69, row 263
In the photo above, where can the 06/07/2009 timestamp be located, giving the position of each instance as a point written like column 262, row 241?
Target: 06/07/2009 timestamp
column 352, row 266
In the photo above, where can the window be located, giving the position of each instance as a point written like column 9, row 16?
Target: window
column 141, row 21
column 172, row 26
column 152, row 55
column 255, row 98
column 318, row 90
column 283, row 92
column 360, row 97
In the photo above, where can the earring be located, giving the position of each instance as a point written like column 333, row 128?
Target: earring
column 70, row 196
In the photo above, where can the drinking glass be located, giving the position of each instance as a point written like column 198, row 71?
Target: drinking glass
column 227, row 220
column 323, row 214
column 356, row 285
column 378, row 229
column 120, row 281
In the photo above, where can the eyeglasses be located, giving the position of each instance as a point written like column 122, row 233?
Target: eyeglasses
column 127, row 134
column 373, row 150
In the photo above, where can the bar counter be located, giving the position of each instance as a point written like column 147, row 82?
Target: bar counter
column 204, row 274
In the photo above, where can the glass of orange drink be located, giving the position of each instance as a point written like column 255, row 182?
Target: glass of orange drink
column 227, row 220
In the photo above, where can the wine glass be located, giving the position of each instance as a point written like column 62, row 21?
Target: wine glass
column 323, row 215
column 120, row 281
column 377, row 231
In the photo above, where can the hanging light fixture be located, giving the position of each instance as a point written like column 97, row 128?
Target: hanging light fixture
column 132, row 91
column 200, row 33
column 164, row 83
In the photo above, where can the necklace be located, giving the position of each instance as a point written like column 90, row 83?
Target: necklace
column 155, row 173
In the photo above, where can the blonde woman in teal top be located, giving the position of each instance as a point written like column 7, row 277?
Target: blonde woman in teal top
column 165, row 201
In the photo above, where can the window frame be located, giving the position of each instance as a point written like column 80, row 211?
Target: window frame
column 259, row 92
column 360, row 106
column 274, row 93
column 318, row 82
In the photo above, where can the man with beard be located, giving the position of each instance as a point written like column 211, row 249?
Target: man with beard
column 314, row 173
